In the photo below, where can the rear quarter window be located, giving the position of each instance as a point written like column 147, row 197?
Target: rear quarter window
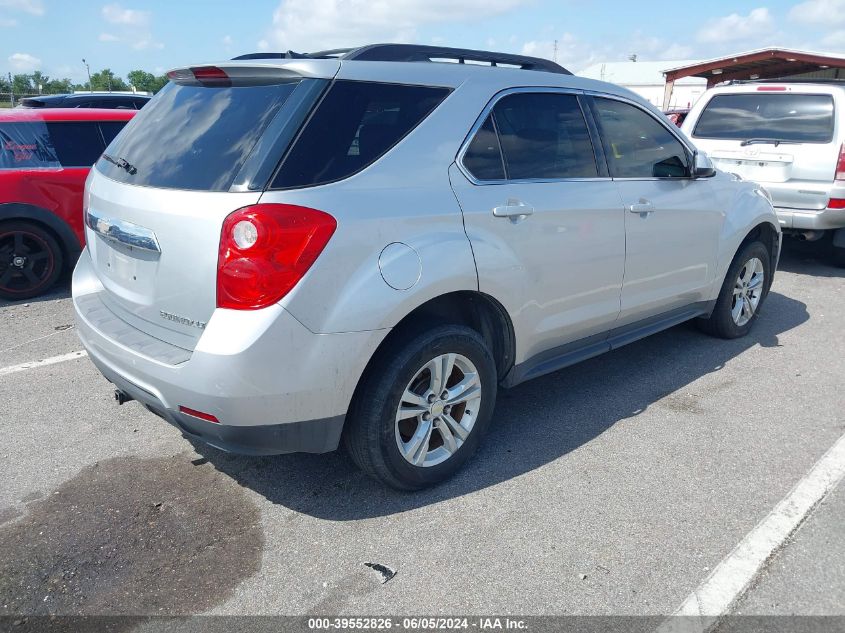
column 26, row 146
column 356, row 123
column 76, row 144
column 799, row 118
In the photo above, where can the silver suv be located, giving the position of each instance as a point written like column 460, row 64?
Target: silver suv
column 788, row 136
column 362, row 246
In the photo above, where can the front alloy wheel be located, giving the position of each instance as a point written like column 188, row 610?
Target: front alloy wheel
column 748, row 290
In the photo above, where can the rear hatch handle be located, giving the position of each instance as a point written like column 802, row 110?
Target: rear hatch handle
column 116, row 230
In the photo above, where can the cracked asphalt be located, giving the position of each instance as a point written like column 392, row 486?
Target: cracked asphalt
column 611, row 487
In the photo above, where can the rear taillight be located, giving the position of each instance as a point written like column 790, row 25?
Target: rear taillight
column 840, row 164
column 265, row 249
column 836, row 203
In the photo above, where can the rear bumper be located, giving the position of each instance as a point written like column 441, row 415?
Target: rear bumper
column 804, row 219
column 275, row 386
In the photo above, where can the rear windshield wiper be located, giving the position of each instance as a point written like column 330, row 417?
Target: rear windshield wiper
column 122, row 163
column 773, row 141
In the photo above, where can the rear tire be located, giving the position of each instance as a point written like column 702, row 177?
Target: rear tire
column 837, row 256
column 745, row 288
column 30, row 260
column 402, row 433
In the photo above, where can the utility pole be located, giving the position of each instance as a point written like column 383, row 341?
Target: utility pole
column 554, row 56
column 88, row 68
column 11, row 91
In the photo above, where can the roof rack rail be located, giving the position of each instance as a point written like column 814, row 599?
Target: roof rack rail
column 419, row 53
column 788, row 80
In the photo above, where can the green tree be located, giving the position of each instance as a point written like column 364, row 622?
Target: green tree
column 106, row 80
column 22, row 84
column 57, row 86
column 146, row 82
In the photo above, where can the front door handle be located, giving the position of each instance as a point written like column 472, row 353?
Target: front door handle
column 643, row 207
column 514, row 209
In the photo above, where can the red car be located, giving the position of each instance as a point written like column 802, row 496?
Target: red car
column 45, row 156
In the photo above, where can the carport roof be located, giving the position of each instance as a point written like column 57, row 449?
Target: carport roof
column 766, row 63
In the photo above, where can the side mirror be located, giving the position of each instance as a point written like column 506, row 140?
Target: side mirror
column 702, row 167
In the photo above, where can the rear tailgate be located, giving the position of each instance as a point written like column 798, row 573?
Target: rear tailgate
column 155, row 203
column 783, row 139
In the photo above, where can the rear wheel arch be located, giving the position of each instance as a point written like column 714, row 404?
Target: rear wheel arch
column 50, row 222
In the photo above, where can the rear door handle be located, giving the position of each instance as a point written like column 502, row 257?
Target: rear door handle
column 514, row 209
column 643, row 207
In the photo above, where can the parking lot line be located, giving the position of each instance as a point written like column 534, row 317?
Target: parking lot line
column 12, row 369
column 715, row 596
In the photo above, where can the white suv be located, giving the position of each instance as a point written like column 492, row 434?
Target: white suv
column 289, row 251
column 788, row 136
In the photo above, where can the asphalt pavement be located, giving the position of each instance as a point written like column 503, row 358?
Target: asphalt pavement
column 611, row 487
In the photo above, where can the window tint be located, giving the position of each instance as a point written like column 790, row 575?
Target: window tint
column 636, row 145
column 355, row 124
column 544, row 135
column 195, row 137
column 786, row 117
column 483, row 158
column 26, row 146
column 110, row 129
column 76, row 144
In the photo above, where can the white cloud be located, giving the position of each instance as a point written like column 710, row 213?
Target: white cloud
column 322, row 24
column 227, row 41
column 735, row 27
column 147, row 43
column 819, row 12
column 33, row 7
column 108, row 37
column 24, row 62
column 835, row 41
column 116, row 14
column 8, row 22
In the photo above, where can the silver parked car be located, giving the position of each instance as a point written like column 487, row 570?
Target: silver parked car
column 788, row 136
column 291, row 251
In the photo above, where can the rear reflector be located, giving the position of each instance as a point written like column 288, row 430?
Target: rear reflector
column 199, row 414
column 771, row 88
column 836, row 203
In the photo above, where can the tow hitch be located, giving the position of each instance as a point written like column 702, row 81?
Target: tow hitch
column 121, row 397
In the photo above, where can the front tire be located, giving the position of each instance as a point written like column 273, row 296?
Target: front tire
column 423, row 407
column 745, row 288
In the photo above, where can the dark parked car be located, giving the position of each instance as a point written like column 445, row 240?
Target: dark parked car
column 45, row 156
column 107, row 100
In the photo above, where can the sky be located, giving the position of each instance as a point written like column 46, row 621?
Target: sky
column 53, row 36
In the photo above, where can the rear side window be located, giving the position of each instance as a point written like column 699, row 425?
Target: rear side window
column 544, row 136
column 355, row 124
column 26, row 146
column 785, row 117
column 483, row 158
column 76, row 144
column 194, row 137
column 636, row 145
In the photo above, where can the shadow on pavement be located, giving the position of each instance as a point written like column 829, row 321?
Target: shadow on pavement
column 808, row 258
column 534, row 424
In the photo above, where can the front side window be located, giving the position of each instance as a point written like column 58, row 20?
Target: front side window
column 355, row 124
column 544, row 136
column 794, row 118
column 76, row 144
column 636, row 145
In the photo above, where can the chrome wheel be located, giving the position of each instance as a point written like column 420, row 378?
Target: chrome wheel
column 748, row 289
column 438, row 410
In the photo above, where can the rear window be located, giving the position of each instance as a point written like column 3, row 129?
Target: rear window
column 194, row 137
column 785, row 117
column 50, row 145
column 355, row 124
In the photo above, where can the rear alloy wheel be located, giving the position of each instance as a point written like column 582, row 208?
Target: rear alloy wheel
column 30, row 260
column 743, row 292
column 421, row 410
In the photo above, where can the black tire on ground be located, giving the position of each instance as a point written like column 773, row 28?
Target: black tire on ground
column 30, row 260
column 721, row 323
column 837, row 256
column 370, row 432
